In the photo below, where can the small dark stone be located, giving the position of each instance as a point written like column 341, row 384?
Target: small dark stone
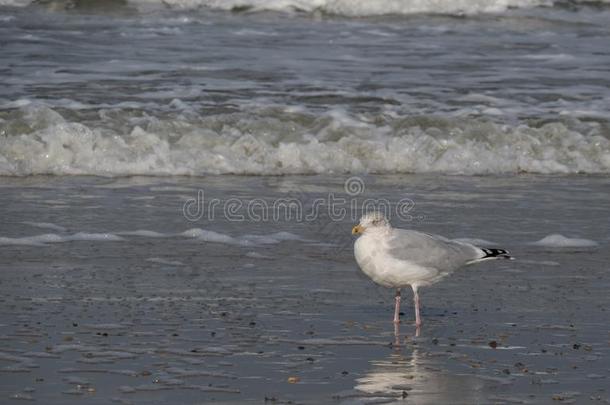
column 310, row 359
column 575, row 346
column 252, row 323
column 223, row 314
column 506, row 371
column 74, row 324
column 105, row 334
column 493, row 344
column 434, row 341
column 405, row 394
column 301, row 347
column 345, row 372
column 174, row 334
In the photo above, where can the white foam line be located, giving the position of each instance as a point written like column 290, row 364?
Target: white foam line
column 199, row 234
column 559, row 241
column 145, row 233
column 44, row 239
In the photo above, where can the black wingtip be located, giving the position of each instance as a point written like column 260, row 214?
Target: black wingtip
column 496, row 253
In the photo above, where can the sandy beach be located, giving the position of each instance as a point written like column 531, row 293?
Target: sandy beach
column 111, row 295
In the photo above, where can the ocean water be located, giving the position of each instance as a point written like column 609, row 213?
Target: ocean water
column 194, row 87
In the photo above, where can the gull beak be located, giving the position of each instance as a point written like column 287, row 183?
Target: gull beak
column 358, row 229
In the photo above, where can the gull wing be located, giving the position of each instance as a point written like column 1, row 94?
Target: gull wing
column 432, row 251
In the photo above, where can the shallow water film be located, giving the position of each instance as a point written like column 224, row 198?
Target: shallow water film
column 111, row 292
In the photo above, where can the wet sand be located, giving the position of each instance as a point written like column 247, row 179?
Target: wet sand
column 143, row 318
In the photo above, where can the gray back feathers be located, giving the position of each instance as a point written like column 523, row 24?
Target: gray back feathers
column 431, row 251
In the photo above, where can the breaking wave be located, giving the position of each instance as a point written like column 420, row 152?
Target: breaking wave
column 274, row 141
column 348, row 8
column 363, row 8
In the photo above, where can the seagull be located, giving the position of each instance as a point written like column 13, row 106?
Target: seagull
column 398, row 258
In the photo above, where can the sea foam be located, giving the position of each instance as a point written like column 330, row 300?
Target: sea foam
column 349, row 8
column 48, row 238
column 560, row 241
column 203, row 235
column 355, row 8
column 38, row 140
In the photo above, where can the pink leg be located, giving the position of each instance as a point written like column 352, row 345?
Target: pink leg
column 397, row 307
column 416, row 305
column 396, row 334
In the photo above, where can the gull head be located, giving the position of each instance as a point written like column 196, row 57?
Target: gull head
column 371, row 221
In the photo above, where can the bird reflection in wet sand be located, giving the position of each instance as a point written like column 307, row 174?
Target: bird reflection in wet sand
column 412, row 375
column 397, row 341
